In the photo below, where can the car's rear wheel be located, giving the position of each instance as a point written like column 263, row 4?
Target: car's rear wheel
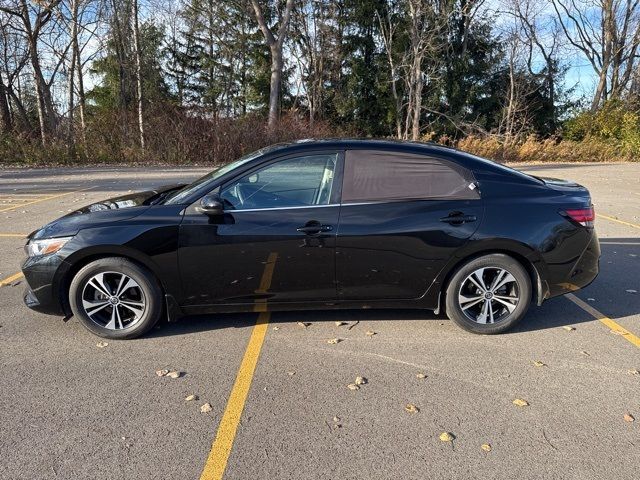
column 489, row 294
column 116, row 298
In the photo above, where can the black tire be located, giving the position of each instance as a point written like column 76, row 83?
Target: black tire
column 145, row 290
column 462, row 289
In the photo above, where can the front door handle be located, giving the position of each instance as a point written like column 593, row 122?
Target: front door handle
column 315, row 227
column 459, row 219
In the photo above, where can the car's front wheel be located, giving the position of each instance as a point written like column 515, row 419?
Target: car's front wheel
column 115, row 298
column 489, row 294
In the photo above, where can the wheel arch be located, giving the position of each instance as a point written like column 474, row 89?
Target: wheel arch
column 81, row 258
column 523, row 254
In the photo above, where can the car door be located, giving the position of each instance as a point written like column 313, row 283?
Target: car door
column 275, row 241
column 402, row 217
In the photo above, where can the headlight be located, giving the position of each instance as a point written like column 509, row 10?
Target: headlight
column 45, row 246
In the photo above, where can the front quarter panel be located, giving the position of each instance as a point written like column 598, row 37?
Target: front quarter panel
column 150, row 239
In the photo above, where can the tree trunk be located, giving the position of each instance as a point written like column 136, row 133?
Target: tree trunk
column 600, row 93
column 81, row 96
column 136, row 46
column 6, row 123
column 19, row 110
column 275, row 46
column 71, row 85
column 274, row 87
column 121, row 56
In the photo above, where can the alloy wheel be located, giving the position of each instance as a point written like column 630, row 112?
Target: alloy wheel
column 113, row 300
column 488, row 295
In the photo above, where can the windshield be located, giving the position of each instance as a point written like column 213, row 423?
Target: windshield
column 180, row 196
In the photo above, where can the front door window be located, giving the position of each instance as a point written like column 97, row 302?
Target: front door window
column 294, row 182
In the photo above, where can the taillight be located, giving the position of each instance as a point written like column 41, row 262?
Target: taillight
column 583, row 216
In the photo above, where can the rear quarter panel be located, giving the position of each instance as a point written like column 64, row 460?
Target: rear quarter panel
column 522, row 216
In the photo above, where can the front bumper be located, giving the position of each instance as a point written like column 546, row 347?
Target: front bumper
column 42, row 293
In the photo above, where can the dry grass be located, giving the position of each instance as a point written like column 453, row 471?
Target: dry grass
column 175, row 137
column 548, row 150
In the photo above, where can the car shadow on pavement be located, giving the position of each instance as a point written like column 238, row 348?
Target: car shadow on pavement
column 619, row 267
column 555, row 313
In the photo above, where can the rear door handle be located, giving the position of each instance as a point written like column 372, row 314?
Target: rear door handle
column 316, row 228
column 459, row 219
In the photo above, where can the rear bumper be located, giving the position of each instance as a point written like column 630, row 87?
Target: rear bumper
column 581, row 272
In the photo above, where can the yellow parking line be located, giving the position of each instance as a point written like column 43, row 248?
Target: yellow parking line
column 17, row 235
column 221, row 449
column 614, row 326
column 44, row 199
column 11, row 279
column 628, row 224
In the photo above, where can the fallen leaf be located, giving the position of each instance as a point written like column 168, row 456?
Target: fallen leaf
column 591, row 299
column 628, row 418
column 190, row 398
column 174, row 374
column 447, row 437
column 538, row 363
column 101, row 344
column 162, row 373
column 568, row 329
column 361, row 381
column 336, row 419
column 421, row 375
column 618, row 332
column 520, row 402
column 303, row 324
column 411, row 408
column 486, row 447
column 585, row 353
column 276, row 328
column 631, row 291
column 333, row 341
column 633, row 372
column 291, row 374
column 339, row 324
column 370, row 333
column 353, row 386
column 206, row 408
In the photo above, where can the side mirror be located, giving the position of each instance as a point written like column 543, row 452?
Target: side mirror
column 211, row 204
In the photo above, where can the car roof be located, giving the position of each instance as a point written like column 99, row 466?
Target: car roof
column 464, row 159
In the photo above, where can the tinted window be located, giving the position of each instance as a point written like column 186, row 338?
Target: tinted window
column 294, row 182
column 179, row 196
column 378, row 175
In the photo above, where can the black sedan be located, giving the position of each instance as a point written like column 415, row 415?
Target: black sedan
column 321, row 225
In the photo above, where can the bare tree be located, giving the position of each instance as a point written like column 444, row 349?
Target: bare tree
column 275, row 42
column 541, row 34
column 516, row 107
column 413, row 64
column 15, row 55
column 607, row 33
column 33, row 19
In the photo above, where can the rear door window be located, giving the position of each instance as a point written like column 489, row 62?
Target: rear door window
column 371, row 175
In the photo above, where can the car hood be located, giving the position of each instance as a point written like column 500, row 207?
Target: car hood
column 111, row 210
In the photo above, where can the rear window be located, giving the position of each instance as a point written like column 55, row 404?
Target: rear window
column 371, row 175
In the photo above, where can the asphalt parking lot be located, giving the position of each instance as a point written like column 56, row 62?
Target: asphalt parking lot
column 280, row 406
